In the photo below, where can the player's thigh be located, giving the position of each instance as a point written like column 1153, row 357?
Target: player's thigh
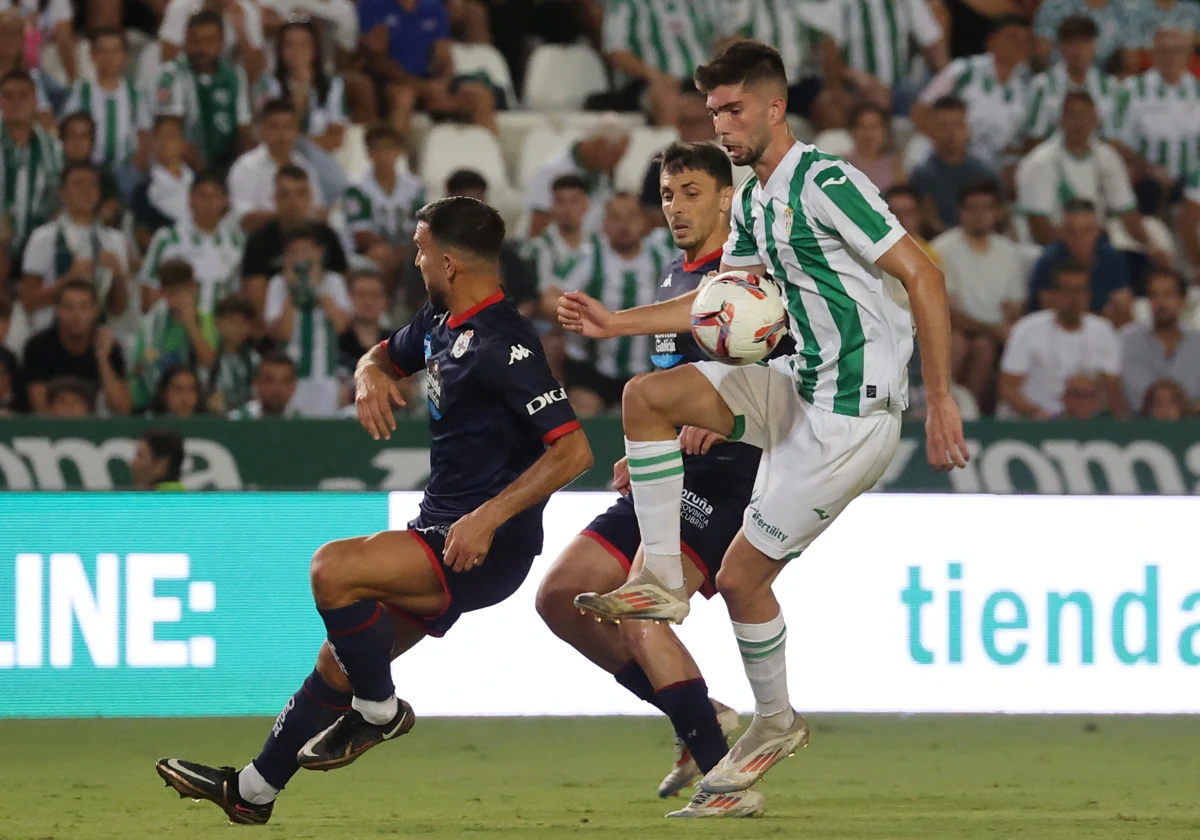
column 814, row 464
column 391, row 566
column 585, row 565
column 682, row 396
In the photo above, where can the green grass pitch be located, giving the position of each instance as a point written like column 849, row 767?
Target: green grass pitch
column 869, row 777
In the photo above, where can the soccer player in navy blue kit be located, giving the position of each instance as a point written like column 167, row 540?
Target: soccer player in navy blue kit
column 504, row 438
column 696, row 187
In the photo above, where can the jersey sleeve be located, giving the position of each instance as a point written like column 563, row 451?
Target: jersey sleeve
column 842, row 198
column 513, row 368
column 174, row 22
column 741, row 248
column 925, row 27
column 39, row 254
column 1114, row 180
column 277, row 293
column 242, row 198
column 406, row 346
column 1036, row 194
column 946, row 82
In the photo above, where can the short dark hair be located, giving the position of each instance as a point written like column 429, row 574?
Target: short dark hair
column 111, row 32
column 78, row 166
column 77, row 116
column 166, row 443
column 899, row 190
column 292, row 171
column 1181, row 285
column 17, row 75
column 465, row 224
column 1070, row 267
column 570, row 181
column 1079, row 205
column 1077, row 27
column 1078, row 96
column 234, row 305
column 77, row 284
column 304, row 233
column 207, row 17
column 949, row 103
column 277, row 357
column 380, row 132
column 210, row 178
column 60, row 385
column 174, row 273
column 985, row 186
column 279, row 105
column 1005, row 21
column 461, row 180
column 743, row 62
column 861, row 108
column 170, row 119
column 699, row 157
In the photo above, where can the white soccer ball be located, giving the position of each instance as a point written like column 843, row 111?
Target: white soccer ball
column 738, row 318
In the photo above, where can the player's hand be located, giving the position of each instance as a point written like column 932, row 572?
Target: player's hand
column 944, row 442
column 620, row 480
column 697, row 441
column 468, row 541
column 374, row 394
column 581, row 313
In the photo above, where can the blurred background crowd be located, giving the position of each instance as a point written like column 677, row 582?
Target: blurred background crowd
column 206, row 205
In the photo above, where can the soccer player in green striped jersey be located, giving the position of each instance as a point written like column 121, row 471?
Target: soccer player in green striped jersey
column 826, row 418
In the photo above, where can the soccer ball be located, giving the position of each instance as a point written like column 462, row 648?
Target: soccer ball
column 738, row 317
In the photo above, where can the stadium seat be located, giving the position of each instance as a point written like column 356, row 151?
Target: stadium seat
column 512, row 127
column 352, row 154
column 560, row 78
column 450, row 147
column 644, row 144
column 834, row 141
column 485, row 60
column 540, row 145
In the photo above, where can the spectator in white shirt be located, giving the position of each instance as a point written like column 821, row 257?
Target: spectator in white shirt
column 252, row 177
column 243, row 31
column 1047, row 348
column 985, row 282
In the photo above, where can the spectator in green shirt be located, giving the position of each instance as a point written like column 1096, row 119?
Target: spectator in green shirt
column 173, row 332
column 158, row 461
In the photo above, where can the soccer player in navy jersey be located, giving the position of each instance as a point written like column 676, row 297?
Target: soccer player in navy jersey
column 696, row 186
column 504, row 438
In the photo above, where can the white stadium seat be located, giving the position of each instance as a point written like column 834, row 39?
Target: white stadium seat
column 644, row 144
column 451, row 147
column 834, row 141
column 513, row 127
column 560, row 78
column 541, row 144
column 352, row 154
column 484, row 59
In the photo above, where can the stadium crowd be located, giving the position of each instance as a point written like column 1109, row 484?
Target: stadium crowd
column 206, row 205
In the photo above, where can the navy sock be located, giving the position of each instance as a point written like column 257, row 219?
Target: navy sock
column 361, row 636
column 312, row 709
column 633, row 678
column 695, row 720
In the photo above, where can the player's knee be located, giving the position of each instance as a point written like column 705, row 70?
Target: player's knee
column 323, row 573
column 734, row 584
column 555, row 597
column 638, row 396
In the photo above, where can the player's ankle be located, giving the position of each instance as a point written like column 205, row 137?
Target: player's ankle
column 779, row 719
column 377, row 712
column 253, row 788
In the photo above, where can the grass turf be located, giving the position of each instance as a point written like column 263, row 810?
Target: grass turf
column 865, row 777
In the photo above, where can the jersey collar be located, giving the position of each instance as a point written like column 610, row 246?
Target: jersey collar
column 456, row 321
column 690, row 267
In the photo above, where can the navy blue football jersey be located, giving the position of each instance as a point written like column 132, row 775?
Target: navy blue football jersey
column 493, row 405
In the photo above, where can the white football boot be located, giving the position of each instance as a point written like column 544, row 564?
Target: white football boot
column 763, row 745
column 642, row 597
column 685, row 768
column 740, row 803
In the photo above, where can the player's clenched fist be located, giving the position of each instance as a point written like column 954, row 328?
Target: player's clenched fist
column 374, row 394
column 583, row 314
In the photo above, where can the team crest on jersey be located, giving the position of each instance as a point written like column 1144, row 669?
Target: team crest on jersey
column 787, row 221
column 461, row 344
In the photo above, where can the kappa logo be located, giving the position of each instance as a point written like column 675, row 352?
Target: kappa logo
column 549, row 398
column 518, row 352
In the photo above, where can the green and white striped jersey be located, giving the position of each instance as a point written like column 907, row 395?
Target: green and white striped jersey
column 119, row 115
column 1048, row 89
column 794, row 27
column 552, row 260
column 215, row 257
column 875, row 35
column 819, row 225
column 29, row 178
column 388, row 215
column 618, row 283
column 1161, row 122
column 213, row 106
column 672, row 36
column 995, row 110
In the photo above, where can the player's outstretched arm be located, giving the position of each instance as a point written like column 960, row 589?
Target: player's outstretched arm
column 926, row 285
column 376, row 388
column 469, row 539
column 581, row 313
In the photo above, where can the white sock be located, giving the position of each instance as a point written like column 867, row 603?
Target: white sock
column 762, row 647
column 656, row 478
column 254, row 788
column 377, row 712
